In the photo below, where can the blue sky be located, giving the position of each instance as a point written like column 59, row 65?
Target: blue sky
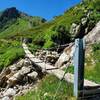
column 44, row 8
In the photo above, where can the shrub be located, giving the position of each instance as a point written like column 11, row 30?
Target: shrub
column 61, row 36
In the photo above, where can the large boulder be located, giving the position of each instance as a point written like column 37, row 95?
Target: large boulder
column 17, row 77
column 66, row 56
column 81, row 29
column 94, row 35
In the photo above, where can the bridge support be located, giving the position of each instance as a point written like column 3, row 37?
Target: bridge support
column 79, row 67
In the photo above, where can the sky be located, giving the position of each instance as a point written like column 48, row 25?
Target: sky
column 44, row 8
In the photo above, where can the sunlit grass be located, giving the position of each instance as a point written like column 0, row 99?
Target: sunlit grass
column 48, row 90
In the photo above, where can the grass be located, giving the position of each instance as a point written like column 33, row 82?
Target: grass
column 93, row 64
column 10, row 51
column 21, row 28
column 47, row 89
column 73, row 15
column 16, row 28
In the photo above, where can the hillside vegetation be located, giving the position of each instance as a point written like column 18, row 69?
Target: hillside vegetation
column 14, row 25
column 12, row 22
column 59, row 28
column 48, row 89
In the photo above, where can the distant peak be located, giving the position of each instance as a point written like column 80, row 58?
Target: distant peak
column 12, row 8
column 9, row 13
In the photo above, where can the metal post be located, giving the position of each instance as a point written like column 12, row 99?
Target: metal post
column 79, row 67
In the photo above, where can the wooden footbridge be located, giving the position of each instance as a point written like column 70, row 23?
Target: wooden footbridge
column 81, row 85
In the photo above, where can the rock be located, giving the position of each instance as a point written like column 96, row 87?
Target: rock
column 78, row 31
column 37, row 53
column 17, row 66
column 10, row 92
column 94, row 35
column 51, row 58
column 33, row 75
column 3, row 81
column 84, row 21
column 43, row 52
column 63, row 58
column 73, row 28
column 66, row 56
column 12, row 81
column 18, row 76
column 20, row 64
column 13, row 67
column 5, row 71
column 6, row 98
column 25, row 70
column 48, row 56
column 3, row 77
column 27, row 40
column 27, row 62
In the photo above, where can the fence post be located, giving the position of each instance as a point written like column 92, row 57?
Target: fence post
column 79, row 67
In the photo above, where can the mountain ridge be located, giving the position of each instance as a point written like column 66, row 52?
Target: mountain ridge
column 11, row 16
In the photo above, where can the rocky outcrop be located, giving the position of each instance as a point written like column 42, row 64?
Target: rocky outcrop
column 94, row 35
column 81, row 29
column 17, row 78
column 66, row 57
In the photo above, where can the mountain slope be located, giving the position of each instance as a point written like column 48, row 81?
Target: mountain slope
column 13, row 22
column 45, row 35
column 74, row 15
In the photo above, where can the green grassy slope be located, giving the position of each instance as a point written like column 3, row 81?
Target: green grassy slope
column 92, row 66
column 10, row 51
column 47, row 30
column 48, row 89
column 12, row 23
column 26, row 26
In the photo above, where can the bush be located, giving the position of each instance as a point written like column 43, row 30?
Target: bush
column 61, row 36
column 10, row 51
column 10, row 56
